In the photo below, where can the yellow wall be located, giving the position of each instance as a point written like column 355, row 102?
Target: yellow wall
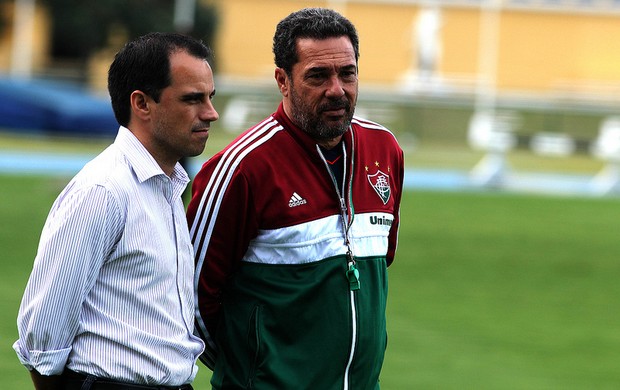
column 459, row 35
column 243, row 47
column 548, row 51
column 538, row 50
column 385, row 50
column 244, row 37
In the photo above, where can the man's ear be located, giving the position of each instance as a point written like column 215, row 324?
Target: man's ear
column 140, row 104
column 282, row 80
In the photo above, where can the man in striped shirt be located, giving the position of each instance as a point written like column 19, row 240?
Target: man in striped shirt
column 110, row 301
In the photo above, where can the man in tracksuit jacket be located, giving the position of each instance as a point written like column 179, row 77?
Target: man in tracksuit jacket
column 294, row 224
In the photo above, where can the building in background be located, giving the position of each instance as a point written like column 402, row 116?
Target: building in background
column 494, row 74
column 541, row 46
column 554, row 64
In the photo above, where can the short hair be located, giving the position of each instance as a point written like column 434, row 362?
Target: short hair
column 314, row 23
column 144, row 64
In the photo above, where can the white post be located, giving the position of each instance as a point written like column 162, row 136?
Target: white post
column 488, row 51
column 184, row 15
column 496, row 133
column 21, row 51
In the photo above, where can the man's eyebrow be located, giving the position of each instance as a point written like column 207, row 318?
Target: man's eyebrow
column 193, row 96
column 319, row 69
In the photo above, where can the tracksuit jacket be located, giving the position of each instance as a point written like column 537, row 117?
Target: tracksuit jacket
column 291, row 270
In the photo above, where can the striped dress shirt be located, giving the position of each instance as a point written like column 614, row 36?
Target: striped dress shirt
column 111, row 290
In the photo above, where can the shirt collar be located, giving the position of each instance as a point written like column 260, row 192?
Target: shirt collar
column 142, row 162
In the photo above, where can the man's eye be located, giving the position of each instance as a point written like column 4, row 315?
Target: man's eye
column 192, row 99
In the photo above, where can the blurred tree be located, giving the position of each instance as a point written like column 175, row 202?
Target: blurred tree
column 5, row 10
column 81, row 28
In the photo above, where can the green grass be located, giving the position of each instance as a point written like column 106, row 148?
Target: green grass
column 488, row 291
column 24, row 203
column 496, row 291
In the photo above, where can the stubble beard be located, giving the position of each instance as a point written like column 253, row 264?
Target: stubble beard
column 172, row 143
column 311, row 122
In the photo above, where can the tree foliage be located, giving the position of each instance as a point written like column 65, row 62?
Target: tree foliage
column 4, row 17
column 80, row 28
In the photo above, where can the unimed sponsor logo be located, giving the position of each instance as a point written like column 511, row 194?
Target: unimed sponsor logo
column 374, row 220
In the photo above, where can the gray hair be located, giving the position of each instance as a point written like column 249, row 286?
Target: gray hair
column 314, row 23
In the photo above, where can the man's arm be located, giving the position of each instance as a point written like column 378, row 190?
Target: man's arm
column 229, row 213
column 79, row 232
column 398, row 191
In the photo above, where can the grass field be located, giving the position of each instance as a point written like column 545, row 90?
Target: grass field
column 488, row 291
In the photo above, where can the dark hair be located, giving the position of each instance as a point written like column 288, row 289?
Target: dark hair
column 314, row 23
column 144, row 64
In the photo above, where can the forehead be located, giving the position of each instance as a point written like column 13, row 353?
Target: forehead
column 328, row 52
column 185, row 68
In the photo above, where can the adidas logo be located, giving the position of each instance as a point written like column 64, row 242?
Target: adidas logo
column 296, row 200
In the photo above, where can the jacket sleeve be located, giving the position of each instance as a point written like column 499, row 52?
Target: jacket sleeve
column 398, row 190
column 222, row 222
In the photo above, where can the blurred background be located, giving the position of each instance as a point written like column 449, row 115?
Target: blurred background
column 494, row 93
column 506, row 275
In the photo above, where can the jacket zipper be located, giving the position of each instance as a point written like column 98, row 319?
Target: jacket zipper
column 352, row 272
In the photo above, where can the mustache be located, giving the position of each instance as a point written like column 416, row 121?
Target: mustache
column 201, row 126
column 335, row 105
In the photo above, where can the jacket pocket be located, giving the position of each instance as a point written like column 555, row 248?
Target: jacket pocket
column 254, row 342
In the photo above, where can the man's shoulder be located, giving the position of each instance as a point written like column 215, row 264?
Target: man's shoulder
column 109, row 169
column 368, row 124
column 263, row 135
column 367, row 129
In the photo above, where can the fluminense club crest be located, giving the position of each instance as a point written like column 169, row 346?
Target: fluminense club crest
column 381, row 183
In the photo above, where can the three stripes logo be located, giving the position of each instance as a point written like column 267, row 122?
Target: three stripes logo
column 296, row 200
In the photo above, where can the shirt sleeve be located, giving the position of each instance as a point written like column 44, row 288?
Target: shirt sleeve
column 79, row 234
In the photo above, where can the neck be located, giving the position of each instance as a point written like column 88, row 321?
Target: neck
column 165, row 162
column 330, row 143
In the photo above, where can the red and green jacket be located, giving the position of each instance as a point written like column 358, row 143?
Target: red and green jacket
column 291, row 274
